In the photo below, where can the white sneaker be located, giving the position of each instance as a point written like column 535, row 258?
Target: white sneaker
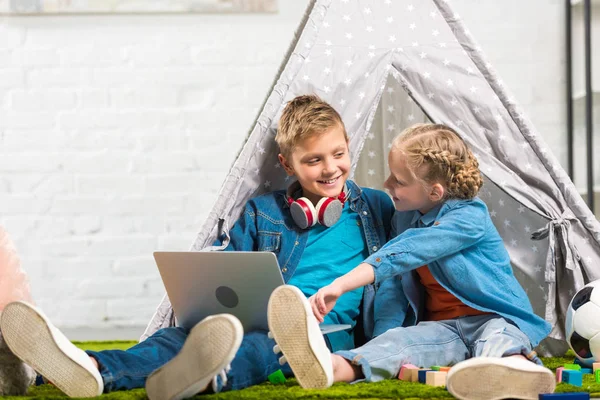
column 31, row 336
column 206, row 354
column 297, row 334
column 494, row 378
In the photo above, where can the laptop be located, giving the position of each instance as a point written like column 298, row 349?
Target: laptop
column 240, row 283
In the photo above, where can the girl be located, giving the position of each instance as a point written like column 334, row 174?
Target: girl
column 453, row 275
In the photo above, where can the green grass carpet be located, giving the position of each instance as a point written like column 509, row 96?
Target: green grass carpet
column 392, row 389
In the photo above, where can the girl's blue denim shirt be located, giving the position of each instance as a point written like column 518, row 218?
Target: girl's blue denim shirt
column 465, row 254
column 267, row 225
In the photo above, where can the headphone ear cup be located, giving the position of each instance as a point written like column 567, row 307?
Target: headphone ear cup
column 329, row 211
column 303, row 213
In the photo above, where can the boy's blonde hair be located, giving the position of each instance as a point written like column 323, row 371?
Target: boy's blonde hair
column 437, row 154
column 303, row 117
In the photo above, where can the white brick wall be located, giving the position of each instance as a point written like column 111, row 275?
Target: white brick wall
column 116, row 133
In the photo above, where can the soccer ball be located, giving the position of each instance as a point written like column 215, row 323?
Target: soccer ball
column 582, row 324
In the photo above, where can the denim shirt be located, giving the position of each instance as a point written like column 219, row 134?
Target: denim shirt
column 267, row 225
column 465, row 254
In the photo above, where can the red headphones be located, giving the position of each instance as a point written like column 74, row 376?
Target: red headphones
column 327, row 211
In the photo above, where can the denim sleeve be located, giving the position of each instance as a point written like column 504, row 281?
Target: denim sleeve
column 458, row 229
column 242, row 237
column 390, row 306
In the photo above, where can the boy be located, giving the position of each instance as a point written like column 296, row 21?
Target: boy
column 314, row 148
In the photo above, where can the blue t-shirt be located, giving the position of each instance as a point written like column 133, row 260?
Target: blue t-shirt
column 330, row 253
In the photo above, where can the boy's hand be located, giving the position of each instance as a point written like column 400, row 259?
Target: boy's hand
column 324, row 300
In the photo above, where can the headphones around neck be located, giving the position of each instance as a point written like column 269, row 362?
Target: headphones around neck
column 327, row 211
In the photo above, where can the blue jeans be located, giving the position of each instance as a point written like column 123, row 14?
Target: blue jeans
column 128, row 369
column 441, row 343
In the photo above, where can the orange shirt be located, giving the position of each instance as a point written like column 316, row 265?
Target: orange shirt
column 440, row 304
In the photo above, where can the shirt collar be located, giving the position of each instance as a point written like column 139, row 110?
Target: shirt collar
column 428, row 218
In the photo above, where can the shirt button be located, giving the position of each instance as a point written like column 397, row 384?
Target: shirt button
column 284, row 270
column 296, row 243
column 436, row 223
column 374, row 248
column 378, row 259
column 364, row 213
column 358, row 223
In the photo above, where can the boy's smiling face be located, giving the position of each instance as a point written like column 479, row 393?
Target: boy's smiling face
column 321, row 163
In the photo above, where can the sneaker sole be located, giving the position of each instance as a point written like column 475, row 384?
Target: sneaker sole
column 288, row 322
column 208, row 349
column 39, row 349
column 485, row 379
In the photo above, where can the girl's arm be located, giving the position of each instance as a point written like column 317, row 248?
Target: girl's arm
column 458, row 229
column 324, row 300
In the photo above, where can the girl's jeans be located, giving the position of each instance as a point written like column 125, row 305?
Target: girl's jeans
column 124, row 370
column 439, row 343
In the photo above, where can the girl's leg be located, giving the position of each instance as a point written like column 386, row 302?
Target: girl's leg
column 501, row 353
column 426, row 344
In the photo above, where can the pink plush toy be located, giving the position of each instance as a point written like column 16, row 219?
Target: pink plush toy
column 13, row 280
column 15, row 376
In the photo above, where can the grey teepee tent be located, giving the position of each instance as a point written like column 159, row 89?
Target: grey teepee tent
column 385, row 64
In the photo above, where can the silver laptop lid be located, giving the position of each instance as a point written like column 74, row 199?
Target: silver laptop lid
column 200, row 284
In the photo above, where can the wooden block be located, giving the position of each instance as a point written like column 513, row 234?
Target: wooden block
column 404, row 374
column 444, row 369
column 586, row 371
column 596, row 366
column 597, row 375
column 435, row 368
column 414, row 375
column 436, row 378
column 423, row 375
column 573, row 367
column 559, row 372
column 564, row 396
column 572, row 377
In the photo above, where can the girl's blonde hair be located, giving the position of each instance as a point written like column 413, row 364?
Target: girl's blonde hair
column 436, row 154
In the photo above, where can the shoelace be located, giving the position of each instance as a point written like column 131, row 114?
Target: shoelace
column 277, row 350
column 223, row 375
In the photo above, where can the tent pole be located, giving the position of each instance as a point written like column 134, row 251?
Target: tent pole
column 569, row 79
column 588, row 103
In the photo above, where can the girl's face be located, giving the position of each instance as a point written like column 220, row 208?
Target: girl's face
column 409, row 193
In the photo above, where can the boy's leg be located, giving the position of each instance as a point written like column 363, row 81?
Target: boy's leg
column 207, row 352
column 252, row 364
column 32, row 337
column 501, row 353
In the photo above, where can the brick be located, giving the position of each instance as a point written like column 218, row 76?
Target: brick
column 564, row 396
column 436, row 378
column 572, row 377
column 109, row 184
column 23, row 139
column 93, row 98
column 41, row 100
column 404, row 374
column 139, row 97
column 422, row 375
column 58, row 77
column 11, row 35
column 35, row 57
